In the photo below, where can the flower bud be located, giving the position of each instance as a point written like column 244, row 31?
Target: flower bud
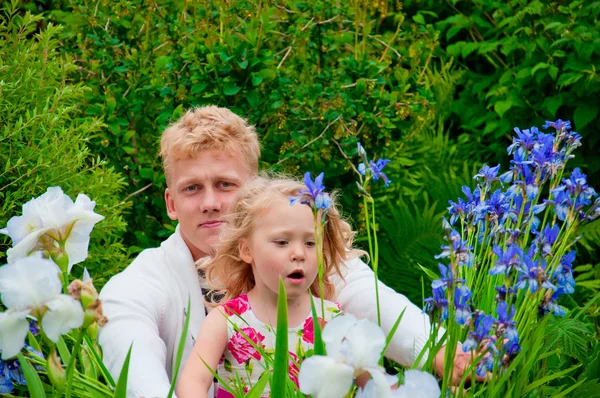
column 61, row 258
column 92, row 331
column 89, row 294
column 93, row 313
column 56, row 372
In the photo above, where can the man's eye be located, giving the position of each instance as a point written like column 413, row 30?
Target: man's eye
column 225, row 184
column 191, row 188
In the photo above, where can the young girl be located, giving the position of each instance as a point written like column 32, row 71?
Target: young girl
column 266, row 239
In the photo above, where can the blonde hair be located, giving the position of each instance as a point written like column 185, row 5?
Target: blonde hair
column 229, row 276
column 209, row 128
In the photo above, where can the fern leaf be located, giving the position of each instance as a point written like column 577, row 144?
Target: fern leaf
column 570, row 336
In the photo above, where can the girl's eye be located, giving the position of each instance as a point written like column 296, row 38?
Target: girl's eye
column 310, row 243
column 281, row 242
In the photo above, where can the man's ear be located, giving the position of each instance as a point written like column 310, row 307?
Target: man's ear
column 245, row 253
column 170, row 202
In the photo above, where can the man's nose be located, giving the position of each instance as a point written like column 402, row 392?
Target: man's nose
column 210, row 201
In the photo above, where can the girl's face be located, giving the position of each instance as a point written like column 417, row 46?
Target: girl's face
column 282, row 245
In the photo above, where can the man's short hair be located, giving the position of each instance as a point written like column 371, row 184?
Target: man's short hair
column 209, row 128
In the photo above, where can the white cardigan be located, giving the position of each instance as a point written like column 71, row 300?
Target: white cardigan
column 146, row 304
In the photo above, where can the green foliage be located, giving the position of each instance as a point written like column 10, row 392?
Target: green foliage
column 43, row 140
column 569, row 335
column 526, row 61
column 314, row 77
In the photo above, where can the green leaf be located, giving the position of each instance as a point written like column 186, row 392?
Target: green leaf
column 98, row 361
column 566, row 79
column 257, row 390
column 390, row 335
column 318, row 334
column 65, row 355
column 570, row 336
column 552, row 104
column 162, row 61
column 111, row 104
column 121, row 388
column 181, row 346
column 198, row 88
column 584, row 114
column 34, row 383
column 502, row 106
column 280, row 366
column 419, row 18
column 267, row 74
column 541, row 65
column 231, row 89
column 256, row 80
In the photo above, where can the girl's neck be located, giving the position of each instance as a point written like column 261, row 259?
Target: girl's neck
column 264, row 306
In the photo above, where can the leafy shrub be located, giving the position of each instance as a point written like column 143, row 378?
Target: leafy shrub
column 44, row 141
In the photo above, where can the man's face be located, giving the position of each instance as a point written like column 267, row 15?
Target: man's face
column 201, row 189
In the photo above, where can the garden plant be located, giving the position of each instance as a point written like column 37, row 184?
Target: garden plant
column 436, row 88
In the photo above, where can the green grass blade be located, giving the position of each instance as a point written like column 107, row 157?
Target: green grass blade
column 34, row 383
column 388, row 339
column 98, row 361
column 532, row 386
column 180, row 348
column 259, row 387
column 280, row 367
column 121, row 389
column 318, row 337
column 65, row 355
column 32, row 341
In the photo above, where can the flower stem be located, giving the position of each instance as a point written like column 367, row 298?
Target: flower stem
column 71, row 365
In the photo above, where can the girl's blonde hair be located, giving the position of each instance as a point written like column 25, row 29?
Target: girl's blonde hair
column 229, row 276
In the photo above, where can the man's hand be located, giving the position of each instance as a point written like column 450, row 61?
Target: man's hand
column 462, row 362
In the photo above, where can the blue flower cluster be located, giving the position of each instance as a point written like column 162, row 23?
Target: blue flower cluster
column 315, row 195
column 527, row 256
column 374, row 168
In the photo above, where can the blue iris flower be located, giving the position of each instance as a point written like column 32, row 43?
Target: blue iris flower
column 505, row 323
column 460, row 249
column 462, row 296
column 503, row 291
column 558, row 125
column 507, row 259
column 437, row 301
column 376, row 168
column 447, row 279
column 550, row 306
column 532, row 273
column 315, row 191
column 525, row 139
column 483, row 325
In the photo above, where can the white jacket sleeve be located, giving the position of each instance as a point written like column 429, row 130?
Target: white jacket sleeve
column 357, row 296
column 134, row 308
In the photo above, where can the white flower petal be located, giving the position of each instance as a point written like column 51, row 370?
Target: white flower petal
column 19, row 227
column 418, row 384
column 365, row 341
column 51, row 208
column 323, row 377
column 335, row 331
column 25, row 246
column 64, row 313
column 29, row 283
column 83, row 218
column 379, row 386
column 13, row 329
column 86, row 275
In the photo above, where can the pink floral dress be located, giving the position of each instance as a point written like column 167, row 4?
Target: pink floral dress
column 242, row 365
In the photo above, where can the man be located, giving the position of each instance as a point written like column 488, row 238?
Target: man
column 208, row 155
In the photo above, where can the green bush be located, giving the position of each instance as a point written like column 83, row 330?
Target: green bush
column 44, row 141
